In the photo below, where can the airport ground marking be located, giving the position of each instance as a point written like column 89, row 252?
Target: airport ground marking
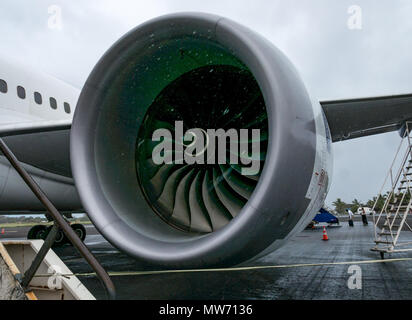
column 234, row 269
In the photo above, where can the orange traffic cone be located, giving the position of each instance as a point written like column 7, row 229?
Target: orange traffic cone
column 325, row 235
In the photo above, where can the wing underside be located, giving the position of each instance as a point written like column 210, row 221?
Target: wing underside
column 42, row 144
column 354, row 118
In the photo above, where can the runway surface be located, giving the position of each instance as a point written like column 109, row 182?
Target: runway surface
column 379, row 280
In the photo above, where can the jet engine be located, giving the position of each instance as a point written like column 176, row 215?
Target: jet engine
column 187, row 80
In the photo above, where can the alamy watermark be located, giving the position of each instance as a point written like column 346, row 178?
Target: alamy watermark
column 355, row 18
column 55, row 280
column 355, row 280
column 199, row 146
column 55, row 21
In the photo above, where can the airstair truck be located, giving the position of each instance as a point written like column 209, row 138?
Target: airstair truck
column 53, row 280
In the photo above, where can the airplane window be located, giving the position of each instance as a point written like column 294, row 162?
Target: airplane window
column 3, row 86
column 37, row 98
column 67, row 107
column 53, row 103
column 21, row 92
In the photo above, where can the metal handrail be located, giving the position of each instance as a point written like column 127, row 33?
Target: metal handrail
column 394, row 204
column 60, row 221
column 48, row 243
column 390, row 174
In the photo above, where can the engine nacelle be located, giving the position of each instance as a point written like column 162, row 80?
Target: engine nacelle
column 192, row 75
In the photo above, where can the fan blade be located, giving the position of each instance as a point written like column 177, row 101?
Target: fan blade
column 239, row 184
column 181, row 210
column 230, row 199
column 200, row 220
column 157, row 183
column 166, row 200
column 238, row 169
column 218, row 214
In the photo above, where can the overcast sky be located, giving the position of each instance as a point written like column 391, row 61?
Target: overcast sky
column 334, row 60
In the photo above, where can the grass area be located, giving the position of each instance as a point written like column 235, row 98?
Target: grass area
column 31, row 224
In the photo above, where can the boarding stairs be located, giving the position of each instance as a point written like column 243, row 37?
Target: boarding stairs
column 391, row 223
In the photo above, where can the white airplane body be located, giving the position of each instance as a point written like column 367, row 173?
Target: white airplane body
column 15, row 196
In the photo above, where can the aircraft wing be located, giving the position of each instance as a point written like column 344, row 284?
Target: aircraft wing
column 29, row 127
column 44, row 144
column 13, row 122
column 354, row 118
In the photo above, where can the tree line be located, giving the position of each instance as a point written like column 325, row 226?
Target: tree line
column 340, row 206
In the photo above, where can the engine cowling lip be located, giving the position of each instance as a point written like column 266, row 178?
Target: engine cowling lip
column 220, row 248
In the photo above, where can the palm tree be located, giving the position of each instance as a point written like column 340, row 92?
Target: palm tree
column 355, row 205
column 340, row 206
column 381, row 201
column 371, row 202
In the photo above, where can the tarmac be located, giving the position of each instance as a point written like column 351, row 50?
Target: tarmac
column 390, row 280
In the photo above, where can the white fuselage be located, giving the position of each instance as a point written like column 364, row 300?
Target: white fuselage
column 16, row 110
column 28, row 96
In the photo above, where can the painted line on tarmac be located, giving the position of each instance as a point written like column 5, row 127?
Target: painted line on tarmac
column 143, row 273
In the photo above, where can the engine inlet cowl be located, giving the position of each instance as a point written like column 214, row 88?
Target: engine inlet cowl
column 171, row 84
